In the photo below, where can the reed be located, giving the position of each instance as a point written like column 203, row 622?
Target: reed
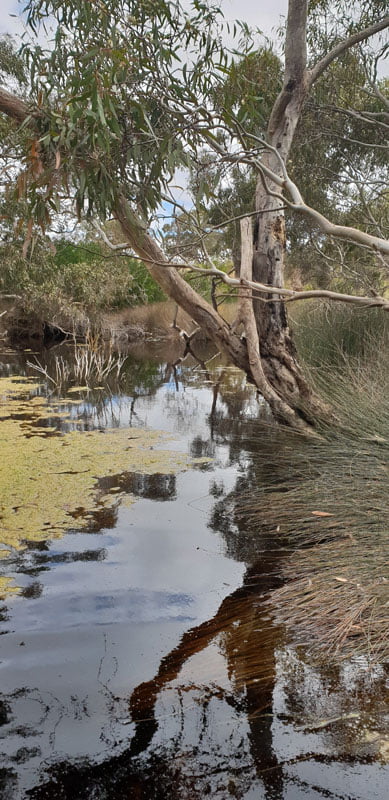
column 328, row 503
column 85, row 365
column 332, row 333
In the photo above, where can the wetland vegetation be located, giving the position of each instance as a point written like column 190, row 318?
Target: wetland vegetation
column 226, row 596
column 194, row 466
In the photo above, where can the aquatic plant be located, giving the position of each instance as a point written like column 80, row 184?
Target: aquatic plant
column 86, row 366
column 51, row 481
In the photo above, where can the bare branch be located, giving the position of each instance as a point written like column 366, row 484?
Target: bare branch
column 372, row 78
column 290, row 295
column 369, row 117
column 111, row 245
column 380, row 95
column 340, row 231
column 343, row 231
column 341, row 47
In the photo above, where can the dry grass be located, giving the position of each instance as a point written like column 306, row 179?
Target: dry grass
column 154, row 321
column 335, row 599
column 329, row 502
column 149, row 321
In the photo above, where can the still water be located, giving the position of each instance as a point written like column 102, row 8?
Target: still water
column 139, row 656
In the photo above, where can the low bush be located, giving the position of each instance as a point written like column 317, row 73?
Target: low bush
column 75, row 284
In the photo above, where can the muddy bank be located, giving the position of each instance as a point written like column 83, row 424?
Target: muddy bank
column 22, row 328
column 153, row 322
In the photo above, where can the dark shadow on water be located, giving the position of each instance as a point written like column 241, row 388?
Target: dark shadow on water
column 248, row 641
column 157, row 486
column 246, row 634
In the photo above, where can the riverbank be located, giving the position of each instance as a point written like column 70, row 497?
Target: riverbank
column 145, row 323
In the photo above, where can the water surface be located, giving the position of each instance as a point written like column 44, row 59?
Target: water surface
column 139, row 657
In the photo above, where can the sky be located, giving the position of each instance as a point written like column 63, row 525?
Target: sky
column 8, row 24
column 262, row 14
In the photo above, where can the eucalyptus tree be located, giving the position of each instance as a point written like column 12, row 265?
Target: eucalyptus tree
column 121, row 98
column 341, row 140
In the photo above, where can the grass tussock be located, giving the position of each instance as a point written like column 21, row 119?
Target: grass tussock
column 329, row 334
column 329, row 502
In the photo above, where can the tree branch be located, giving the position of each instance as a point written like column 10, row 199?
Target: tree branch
column 244, row 283
column 342, row 231
column 13, row 106
column 290, row 295
column 341, row 47
column 298, row 204
column 111, row 245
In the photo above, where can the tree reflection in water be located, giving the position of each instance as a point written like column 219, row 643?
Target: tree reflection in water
column 247, row 641
column 216, row 718
column 198, row 735
column 232, row 711
column 195, row 757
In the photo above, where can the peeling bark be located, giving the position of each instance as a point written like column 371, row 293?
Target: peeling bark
column 278, row 352
column 282, row 409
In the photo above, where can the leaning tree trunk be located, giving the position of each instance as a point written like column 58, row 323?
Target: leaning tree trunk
column 243, row 352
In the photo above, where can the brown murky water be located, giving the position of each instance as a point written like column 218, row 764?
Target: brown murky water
column 139, row 657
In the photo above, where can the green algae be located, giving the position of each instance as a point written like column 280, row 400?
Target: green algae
column 49, row 480
column 7, row 586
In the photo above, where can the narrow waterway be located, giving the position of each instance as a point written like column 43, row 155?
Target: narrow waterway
column 139, row 656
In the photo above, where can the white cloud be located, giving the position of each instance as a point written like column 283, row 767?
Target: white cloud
column 262, row 14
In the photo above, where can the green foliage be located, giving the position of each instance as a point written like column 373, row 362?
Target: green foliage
column 77, row 279
column 250, row 90
column 339, row 140
column 115, row 119
column 330, row 20
column 92, row 276
column 144, row 288
column 11, row 63
column 333, row 142
column 232, row 201
column 72, row 253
